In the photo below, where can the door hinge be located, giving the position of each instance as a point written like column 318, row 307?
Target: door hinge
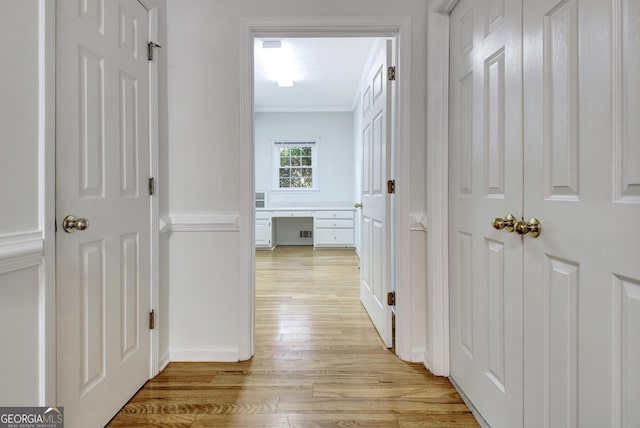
column 152, row 320
column 152, row 186
column 391, row 72
column 150, row 47
column 391, row 298
column 391, row 186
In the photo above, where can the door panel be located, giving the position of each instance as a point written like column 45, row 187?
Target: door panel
column 583, row 161
column 376, row 131
column 486, row 182
column 102, row 163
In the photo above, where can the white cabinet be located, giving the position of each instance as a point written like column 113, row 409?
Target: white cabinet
column 264, row 231
column 333, row 229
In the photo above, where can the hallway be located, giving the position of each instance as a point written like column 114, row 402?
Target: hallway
column 318, row 363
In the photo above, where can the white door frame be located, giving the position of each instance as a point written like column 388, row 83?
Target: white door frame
column 339, row 26
column 153, row 7
column 47, row 58
column 437, row 355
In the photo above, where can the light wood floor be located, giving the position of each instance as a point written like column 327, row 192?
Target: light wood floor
column 318, row 363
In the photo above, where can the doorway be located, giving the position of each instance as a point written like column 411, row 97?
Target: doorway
column 322, row 114
column 264, row 28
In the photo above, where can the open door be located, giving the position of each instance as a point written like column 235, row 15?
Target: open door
column 102, row 168
column 375, row 280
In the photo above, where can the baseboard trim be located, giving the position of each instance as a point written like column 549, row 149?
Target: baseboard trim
column 214, row 355
column 417, row 355
column 164, row 361
column 20, row 251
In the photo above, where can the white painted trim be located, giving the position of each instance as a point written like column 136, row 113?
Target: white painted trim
column 214, row 354
column 164, row 223
column 154, row 153
column 47, row 199
column 204, row 223
column 164, row 361
column 436, row 358
column 246, row 300
column 418, row 222
column 444, row 6
column 417, row 354
column 21, row 251
column 336, row 26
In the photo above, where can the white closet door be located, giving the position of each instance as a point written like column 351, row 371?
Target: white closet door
column 486, row 182
column 582, row 177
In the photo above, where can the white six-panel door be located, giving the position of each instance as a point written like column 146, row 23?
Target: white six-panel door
column 582, row 180
column 102, row 167
column 376, row 140
column 486, row 182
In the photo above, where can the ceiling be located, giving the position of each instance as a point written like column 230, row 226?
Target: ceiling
column 325, row 72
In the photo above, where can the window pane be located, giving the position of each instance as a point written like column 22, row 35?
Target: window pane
column 295, row 167
column 285, row 182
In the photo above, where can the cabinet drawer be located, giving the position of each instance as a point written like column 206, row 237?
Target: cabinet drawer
column 334, row 223
column 293, row 214
column 330, row 237
column 334, row 214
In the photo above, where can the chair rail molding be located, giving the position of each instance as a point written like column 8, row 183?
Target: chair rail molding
column 20, row 251
column 200, row 223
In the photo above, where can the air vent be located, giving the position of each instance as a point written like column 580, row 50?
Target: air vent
column 306, row 234
column 260, row 199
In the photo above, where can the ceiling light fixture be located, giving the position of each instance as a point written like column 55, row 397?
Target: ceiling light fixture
column 280, row 62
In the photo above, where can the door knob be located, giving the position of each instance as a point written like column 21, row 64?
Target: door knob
column 504, row 223
column 533, row 227
column 358, row 205
column 72, row 223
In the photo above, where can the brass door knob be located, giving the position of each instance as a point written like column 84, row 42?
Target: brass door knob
column 72, row 223
column 533, row 227
column 358, row 205
column 507, row 223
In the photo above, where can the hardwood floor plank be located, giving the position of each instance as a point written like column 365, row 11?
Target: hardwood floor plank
column 318, row 362
column 241, row 421
column 331, row 420
column 155, row 420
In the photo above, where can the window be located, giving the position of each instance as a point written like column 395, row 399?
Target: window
column 295, row 165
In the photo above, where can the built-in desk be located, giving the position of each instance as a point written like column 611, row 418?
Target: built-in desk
column 332, row 227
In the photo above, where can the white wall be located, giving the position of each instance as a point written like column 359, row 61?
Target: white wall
column 21, row 207
column 205, row 141
column 333, row 133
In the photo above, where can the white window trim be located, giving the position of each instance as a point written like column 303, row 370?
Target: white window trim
column 275, row 165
